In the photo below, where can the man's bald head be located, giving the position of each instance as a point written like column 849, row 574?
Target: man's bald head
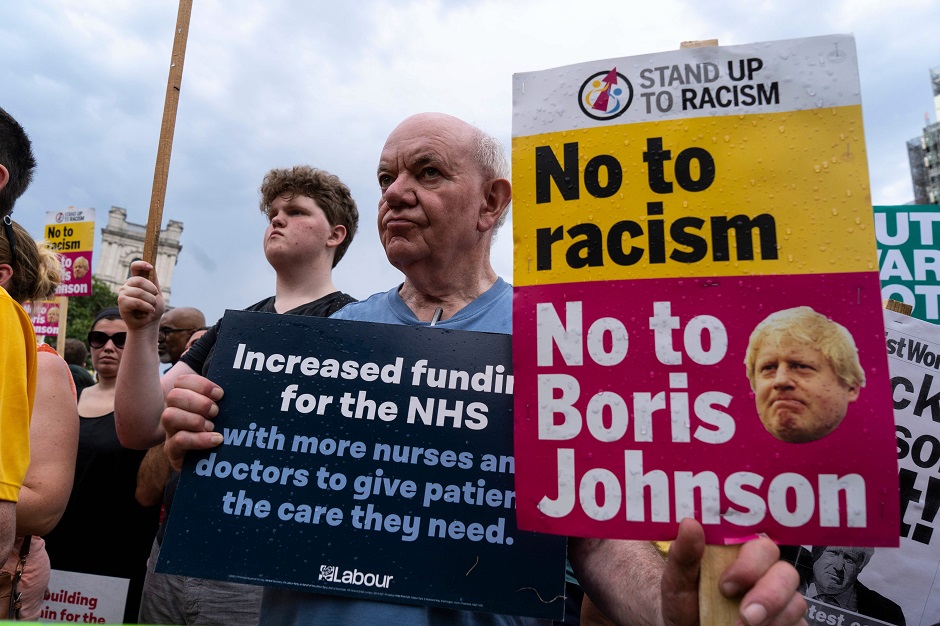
column 445, row 192
column 176, row 327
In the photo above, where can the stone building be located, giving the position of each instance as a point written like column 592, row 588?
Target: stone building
column 123, row 242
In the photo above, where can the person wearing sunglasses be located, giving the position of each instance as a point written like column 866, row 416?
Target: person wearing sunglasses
column 17, row 340
column 176, row 327
column 30, row 273
column 104, row 500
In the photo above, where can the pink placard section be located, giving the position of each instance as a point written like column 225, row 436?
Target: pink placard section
column 633, row 410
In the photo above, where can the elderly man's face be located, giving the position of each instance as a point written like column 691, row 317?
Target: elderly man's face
column 432, row 192
column 799, row 397
column 837, row 569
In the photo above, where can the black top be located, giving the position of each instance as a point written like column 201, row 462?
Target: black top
column 199, row 354
column 104, row 530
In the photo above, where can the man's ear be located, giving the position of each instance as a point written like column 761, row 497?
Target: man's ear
column 4, row 176
column 497, row 196
column 337, row 236
column 6, row 274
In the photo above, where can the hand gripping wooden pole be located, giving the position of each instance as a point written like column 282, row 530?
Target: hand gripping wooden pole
column 158, row 195
column 713, row 608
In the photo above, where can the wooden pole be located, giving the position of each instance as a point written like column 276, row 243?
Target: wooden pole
column 63, row 325
column 713, row 608
column 158, row 195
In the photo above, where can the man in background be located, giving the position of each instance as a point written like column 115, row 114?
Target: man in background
column 176, row 327
column 76, row 355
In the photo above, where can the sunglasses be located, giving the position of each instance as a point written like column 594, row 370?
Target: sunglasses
column 97, row 339
column 166, row 330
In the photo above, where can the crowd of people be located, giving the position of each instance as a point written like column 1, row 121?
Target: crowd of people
column 91, row 468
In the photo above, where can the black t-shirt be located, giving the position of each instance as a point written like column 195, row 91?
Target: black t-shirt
column 199, row 356
column 104, row 530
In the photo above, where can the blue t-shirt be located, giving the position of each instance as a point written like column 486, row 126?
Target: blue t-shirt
column 490, row 312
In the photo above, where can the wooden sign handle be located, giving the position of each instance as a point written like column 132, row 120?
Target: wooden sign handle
column 713, row 608
column 63, row 324
column 174, row 82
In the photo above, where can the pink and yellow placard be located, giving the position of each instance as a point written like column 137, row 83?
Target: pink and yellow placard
column 71, row 233
column 664, row 205
column 45, row 316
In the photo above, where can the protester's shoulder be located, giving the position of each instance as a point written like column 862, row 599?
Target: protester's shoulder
column 330, row 304
column 48, row 359
column 10, row 310
column 502, row 287
column 266, row 305
column 45, row 347
column 358, row 309
column 16, row 329
column 342, row 299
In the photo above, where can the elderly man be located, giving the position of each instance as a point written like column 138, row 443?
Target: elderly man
column 804, row 371
column 176, row 327
column 444, row 193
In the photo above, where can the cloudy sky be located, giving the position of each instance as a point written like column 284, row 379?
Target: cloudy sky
column 280, row 82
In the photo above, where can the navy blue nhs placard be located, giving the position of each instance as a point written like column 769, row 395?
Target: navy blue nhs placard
column 366, row 460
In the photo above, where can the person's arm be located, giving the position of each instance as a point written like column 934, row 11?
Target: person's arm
column 187, row 419
column 7, row 525
column 621, row 577
column 151, row 477
column 53, row 442
column 139, row 397
column 631, row 584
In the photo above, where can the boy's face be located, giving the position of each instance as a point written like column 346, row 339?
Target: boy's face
column 298, row 230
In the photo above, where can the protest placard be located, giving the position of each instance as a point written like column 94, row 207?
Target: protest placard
column 45, row 317
column 71, row 233
column 665, row 205
column 909, row 257
column 84, row 598
column 365, row 460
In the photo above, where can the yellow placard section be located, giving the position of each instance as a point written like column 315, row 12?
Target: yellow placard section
column 781, row 193
column 70, row 237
